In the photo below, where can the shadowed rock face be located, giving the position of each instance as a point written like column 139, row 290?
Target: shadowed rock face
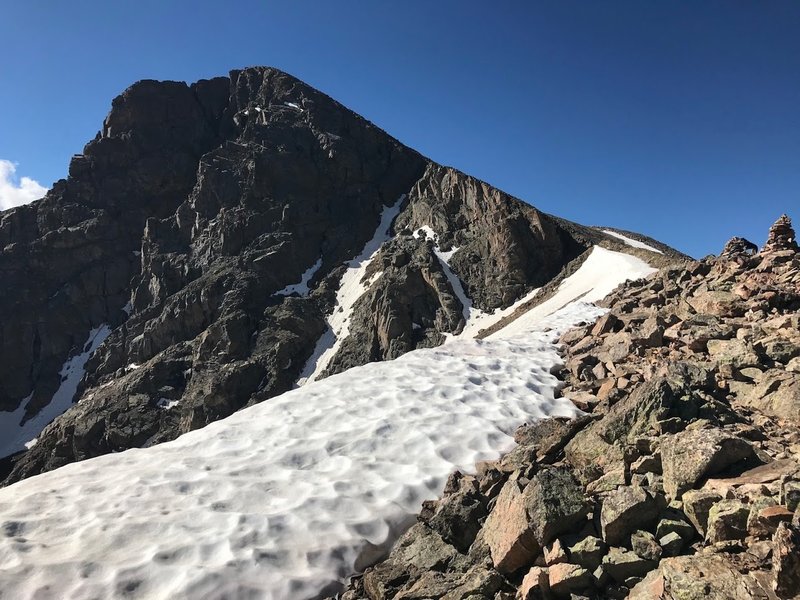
column 505, row 247
column 184, row 218
column 67, row 261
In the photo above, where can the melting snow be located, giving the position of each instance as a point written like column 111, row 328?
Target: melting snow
column 599, row 274
column 14, row 435
column 350, row 290
column 286, row 497
column 632, row 242
column 302, row 287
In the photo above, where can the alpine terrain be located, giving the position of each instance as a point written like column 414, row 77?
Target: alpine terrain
column 254, row 347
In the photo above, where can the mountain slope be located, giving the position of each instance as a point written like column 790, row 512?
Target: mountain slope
column 215, row 229
column 286, row 499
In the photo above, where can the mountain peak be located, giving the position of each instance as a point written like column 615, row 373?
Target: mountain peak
column 232, row 233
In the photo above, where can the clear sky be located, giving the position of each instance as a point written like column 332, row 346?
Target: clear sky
column 677, row 119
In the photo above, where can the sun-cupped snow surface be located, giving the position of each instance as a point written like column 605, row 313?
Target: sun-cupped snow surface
column 284, row 499
column 632, row 242
column 15, row 435
column 475, row 319
column 351, row 288
column 600, row 273
column 302, row 287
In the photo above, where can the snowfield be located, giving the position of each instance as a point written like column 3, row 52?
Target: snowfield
column 289, row 497
column 600, row 273
column 632, row 242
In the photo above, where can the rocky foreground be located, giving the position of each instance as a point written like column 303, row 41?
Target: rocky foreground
column 681, row 482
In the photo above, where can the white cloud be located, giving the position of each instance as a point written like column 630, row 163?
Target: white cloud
column 14, row 191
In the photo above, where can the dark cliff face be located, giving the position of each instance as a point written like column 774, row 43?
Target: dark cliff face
column 182, row 222
column 67, row 261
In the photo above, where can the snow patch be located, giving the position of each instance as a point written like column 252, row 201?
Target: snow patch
column 632, row 242
column 599, row 274
column 166, row 403
column 351, row 288
column 302, row 287
column 281, row 499
column 14, row 434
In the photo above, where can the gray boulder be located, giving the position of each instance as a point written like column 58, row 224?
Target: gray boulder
column 625, row 510
column 689, row 456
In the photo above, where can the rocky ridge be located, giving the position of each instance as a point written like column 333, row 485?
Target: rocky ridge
column 208, row 226
column 681, row 482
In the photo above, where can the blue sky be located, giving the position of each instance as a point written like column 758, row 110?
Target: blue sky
column 677, row 119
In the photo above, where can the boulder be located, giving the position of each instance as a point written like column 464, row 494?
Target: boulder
column 595, row 448
column 671, row 544
column 477, row 582
column 549, row 436
column 535, row 585
column 624, row 511
column 786, row 561
column 507, row 532
column 727, row 520
column 458, row 514
column 765, row 516
column 555, row 503
column 566, row 579
column 697, row 578
column 647, row 464
column 691, row 455
column 716, row 302
column 424, row 549
column 623, row 564
column 776, row 394
column 675, row 521
column 790, row 494
column 697, row 504
column 737, row 353
column 587, row 552
column 644, row 544
column 382, row 581
column 555, row 553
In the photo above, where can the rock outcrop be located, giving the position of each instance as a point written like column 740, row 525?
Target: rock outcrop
column 738, row 246
column 684, row 480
